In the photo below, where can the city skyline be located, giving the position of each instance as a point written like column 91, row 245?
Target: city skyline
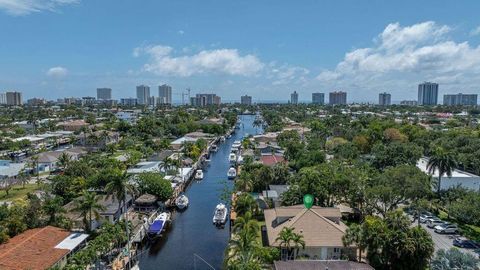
column 393, row 51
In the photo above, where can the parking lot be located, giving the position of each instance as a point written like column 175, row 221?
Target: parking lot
column 443, row 241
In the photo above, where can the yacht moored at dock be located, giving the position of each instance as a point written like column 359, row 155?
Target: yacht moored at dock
column 158, row 224
column 232, row 158
column 220, row 214
column 182, row 201
column 199, row 175
column 232, row 173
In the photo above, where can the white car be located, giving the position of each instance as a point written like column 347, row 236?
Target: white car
column 446, row 228
column 424, row 218
column 434, row 223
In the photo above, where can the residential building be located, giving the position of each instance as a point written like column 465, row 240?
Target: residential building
column 3, row 99
column 104, row 93
column 409, row 102
column 318, row 98
column 14, row 98
column 165, row 94
column 294, row 97
column 460, row 99
column 202, row 100
column 246, row 100
column 338, row 98
column 152, row 101
column 111, row 212
column 384, row 99
column 9, row 169
column 73, row 125
column 88, row 101
column 130, row 102
column 321, row 228
column 428, row 93
column 143, row 94
column 48, row 161
column 36, row 102
column 41, row 248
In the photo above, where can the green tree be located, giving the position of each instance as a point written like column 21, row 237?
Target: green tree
column 89, row 207
column 442, row 161
column 155, row 184
column 454, row 259
column 53, row 207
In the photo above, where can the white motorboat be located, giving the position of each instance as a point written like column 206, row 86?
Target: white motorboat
column 232, row 158
column 214, row 148
column 222, row 139
column 232, row 173
column 182, row 202
column 240, row 160
column 199, row 175
column 237, row 144
column 158, row 224
column 220, row 214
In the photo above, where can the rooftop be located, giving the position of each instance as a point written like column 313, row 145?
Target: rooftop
column 320, row 265
column 422, row 165
column 37, row 248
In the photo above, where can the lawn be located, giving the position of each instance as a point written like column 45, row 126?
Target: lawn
column 17, row 192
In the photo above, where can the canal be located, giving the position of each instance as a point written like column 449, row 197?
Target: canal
column 192, row 235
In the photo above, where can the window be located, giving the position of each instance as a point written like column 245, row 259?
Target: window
column 336, row 250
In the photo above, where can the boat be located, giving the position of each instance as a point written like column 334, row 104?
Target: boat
column 229, row 136
column 220, row 214
column 222, row 139
column 232, row 173
column 214, row 148
column 240, row 160
column 199, row 175
column 232, row 158
column 158, row 224
column 181, row 202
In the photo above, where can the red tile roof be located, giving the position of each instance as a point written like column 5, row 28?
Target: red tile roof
column 271, row 160
column 34, row 249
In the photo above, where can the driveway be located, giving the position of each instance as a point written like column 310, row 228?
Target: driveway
column 445, row 241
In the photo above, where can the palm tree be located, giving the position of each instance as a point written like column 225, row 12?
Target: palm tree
column 119, row 187
column 244, row 183
column 88, row 206
column 443, row 161
column 298, row 242
column 64, row 160
column 354, row 235
column 285, row 237
column 245, row 203
column 246, row 223
column 52, row 207
column 35, row 165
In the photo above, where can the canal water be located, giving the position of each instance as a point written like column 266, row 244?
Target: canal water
column 192, row 235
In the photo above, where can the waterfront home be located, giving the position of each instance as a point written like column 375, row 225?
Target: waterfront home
column 146, row 203
column 48, row 161
column 459, row 177
column 178, row 143
column 200, row 135
column 320, row 265
column 112, row 210
column 269, row 148
column 274, row 193
column 73, row 125
column 146, row 167
column 321, row 228
column 271, row 160
column 40, row 248
column 268, row 137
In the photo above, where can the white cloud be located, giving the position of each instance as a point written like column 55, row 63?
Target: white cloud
column 180, row 32
column 422, row 51
column 57, row 72
column 163, row 61
column 475, row 31
column 25, row 7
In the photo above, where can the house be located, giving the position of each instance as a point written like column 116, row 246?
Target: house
column 200, row 135
column 320, row 265
column 321, row 228
column 9, row 169
column 99, row 138
column 211, row 121
column 40, row 248
column 112, row 210
column 268, row 137
column 271, row 160
column 146, row 167
column 275, row 193
column 47, row 161
column 178, row 143
column 269, row 148
column 73, row 125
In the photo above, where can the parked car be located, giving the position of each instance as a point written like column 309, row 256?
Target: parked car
column 465, row 243
column 434, row 222
column 423, row 218
column 446, row 228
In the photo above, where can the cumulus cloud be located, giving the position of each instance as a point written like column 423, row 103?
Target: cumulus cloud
column 57, row 72
column 422, row 51
column 25, row 7
column 164, row 61
column 475, row 32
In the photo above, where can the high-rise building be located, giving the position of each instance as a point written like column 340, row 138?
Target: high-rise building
column 294, row 97
column 14, row 98
column 3, row 98
column 338, row 98
column 143, row 94
column 318, row 98
column 460, row 99
column 36, row 102
column 409, row 102
column 384, row 99
column 165, row 94
column 205, row 100
column 104, row 93
column 246, row 100
column 130, row 102
column 428, row 93
column 88, row 101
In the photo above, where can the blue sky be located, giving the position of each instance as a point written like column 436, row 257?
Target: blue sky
column 59, row 48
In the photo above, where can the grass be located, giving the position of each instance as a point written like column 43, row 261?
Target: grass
column 18, row 192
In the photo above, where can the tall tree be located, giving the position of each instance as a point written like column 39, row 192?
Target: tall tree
column 442, row 161
column 89, row 207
